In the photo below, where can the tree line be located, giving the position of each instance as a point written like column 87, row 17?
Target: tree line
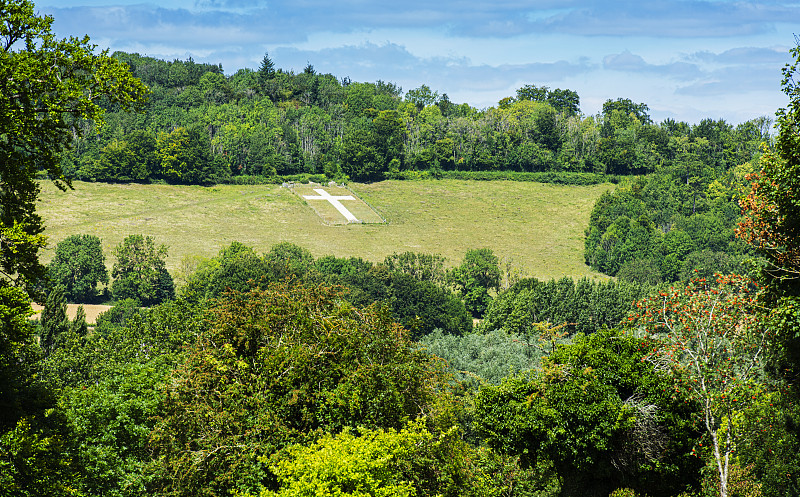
column 671, row 225
column 202, row 127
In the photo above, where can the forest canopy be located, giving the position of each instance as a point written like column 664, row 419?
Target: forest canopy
column 202, row 127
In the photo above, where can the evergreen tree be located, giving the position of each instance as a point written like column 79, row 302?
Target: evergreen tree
column 54, row 322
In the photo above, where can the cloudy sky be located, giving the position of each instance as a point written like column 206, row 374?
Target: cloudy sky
column 686, row 59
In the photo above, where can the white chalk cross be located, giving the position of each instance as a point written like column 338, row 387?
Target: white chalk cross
column 323, row 195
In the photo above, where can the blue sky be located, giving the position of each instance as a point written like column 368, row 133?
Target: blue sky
column 686, row 59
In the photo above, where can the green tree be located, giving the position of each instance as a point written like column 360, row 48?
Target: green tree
column 478, row 273
column 584, row 306
column 374, row 147
column 771, row 225
column 140, row 271
column 185, row 156
column 287, row 260
column 644, row 271
column 411, row 461
column 115, row 163
column 599, row 416
column 266, row 71
column 424, row 267
column 628, row 110
column 47, row 85
column 79, row 266
column 237, row 267
column 364, row 283
column 422, row 307
column 278, row 367
column 215, row 88
column 372, row 463
column 110, row 385
column 533, row 92
column 54, row 322
column 566, row 101
column 142, row 144
column 422, row 97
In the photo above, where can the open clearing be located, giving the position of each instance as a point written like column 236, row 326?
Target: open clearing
column 538, row 227
column 91, row 310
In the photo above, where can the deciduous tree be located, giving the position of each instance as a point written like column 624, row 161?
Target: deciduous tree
column 46, row 85
column 54, row 322
column 478, row 273
column 596, row 415
column 79, row 266
column 278, row 367
column 715, row 347
column 140, row 271
column 771, row 224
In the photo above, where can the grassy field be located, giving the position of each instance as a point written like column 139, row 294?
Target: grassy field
column 91, row 310
column 538, row 227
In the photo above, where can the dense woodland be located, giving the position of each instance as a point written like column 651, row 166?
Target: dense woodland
column 202, row 127
column 281, row 374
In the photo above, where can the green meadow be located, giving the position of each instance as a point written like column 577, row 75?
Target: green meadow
column 538, row 228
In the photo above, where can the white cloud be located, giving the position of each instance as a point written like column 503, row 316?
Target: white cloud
column 678, row 56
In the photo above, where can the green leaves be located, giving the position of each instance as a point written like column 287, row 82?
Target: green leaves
column 372, row 463
column 140, row 271
column 46, row 85
column 475, row 277
column 597, row 414
column 79, row 266
column 277, row 367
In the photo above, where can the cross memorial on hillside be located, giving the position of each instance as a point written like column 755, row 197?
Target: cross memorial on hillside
column 334, row 200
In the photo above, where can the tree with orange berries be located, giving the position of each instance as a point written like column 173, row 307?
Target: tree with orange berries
column 715, row 347
column 771, row 224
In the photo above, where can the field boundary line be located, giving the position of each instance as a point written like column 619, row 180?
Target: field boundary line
column 376, row 211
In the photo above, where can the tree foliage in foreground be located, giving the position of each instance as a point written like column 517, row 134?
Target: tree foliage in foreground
column 280, row 366
column 406, row 462
column 599, row 415
column 771, row 225
column 715, row 350
column 110, row 384
column 46, row 85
